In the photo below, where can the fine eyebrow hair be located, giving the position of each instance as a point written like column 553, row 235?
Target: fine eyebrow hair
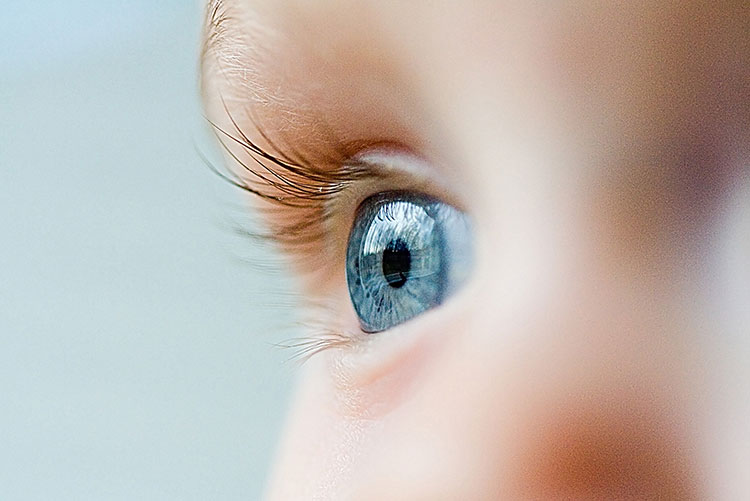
column 234, row 44
column 215, row 26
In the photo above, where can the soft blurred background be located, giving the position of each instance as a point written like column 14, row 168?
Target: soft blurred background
column 136, row 357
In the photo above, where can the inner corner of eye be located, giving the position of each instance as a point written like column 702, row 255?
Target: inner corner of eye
column 407, row 252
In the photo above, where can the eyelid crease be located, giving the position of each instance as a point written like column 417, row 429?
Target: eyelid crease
column 419, row 174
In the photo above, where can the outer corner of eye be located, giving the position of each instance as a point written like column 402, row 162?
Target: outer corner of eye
column 407, row 253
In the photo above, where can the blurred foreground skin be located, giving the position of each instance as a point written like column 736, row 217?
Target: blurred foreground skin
column 601, row 148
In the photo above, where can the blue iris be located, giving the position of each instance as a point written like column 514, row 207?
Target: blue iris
column 406, row 254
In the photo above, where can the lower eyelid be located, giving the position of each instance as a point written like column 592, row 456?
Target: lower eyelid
column 376, row 372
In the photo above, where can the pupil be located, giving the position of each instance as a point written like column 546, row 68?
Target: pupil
column 396, row 263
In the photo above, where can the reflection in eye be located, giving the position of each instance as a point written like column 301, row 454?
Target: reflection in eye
column 406, row 254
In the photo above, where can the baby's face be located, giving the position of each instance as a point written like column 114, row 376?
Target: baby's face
column 513, row 223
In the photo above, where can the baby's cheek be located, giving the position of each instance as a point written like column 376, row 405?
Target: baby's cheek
column 320, row 440
column 564, row 404
column 595, row 394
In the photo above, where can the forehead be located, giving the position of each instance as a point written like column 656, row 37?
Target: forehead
column 637, row 64
column 326, row 29
column 485, row 34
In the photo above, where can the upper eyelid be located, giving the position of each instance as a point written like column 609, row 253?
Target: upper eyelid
column 281, row 174
column 403, row 162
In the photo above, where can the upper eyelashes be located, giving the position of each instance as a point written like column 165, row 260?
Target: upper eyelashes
column 277, row 176
column 304, row 184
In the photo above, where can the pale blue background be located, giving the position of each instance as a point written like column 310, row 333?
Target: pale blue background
column 135, row 348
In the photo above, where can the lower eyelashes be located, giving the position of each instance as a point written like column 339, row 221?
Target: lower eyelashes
column 406, row 254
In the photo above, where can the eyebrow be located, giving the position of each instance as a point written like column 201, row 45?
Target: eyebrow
column 215, row 26
column 235, row 52
column 291, row 180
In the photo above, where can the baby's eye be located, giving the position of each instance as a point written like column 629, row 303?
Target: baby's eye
column 407, row 253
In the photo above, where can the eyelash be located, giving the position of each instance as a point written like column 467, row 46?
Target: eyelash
column 291, row 181
column 320, row 338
